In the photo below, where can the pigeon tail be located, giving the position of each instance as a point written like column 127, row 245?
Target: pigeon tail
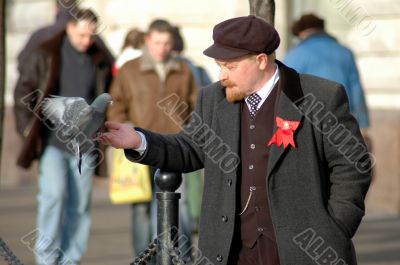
column 78, row 154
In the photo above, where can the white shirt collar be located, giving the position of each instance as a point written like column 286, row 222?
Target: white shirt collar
column 267, row 88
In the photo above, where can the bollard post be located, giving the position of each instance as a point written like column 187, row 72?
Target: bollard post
column 167, row 215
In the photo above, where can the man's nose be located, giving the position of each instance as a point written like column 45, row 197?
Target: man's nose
column 222, row 75
column 87, row 41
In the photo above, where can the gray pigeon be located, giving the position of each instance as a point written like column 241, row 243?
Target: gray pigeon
column 76, row 120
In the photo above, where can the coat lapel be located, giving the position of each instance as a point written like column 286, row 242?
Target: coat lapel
column 229, row 124
column 289, row 97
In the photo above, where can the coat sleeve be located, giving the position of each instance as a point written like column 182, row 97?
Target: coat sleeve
column 118, row 111
column 193, row 92
column 27, row 94
column 349, row 164
column 179, row 152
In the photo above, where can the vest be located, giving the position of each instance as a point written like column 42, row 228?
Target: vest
column 255, row 221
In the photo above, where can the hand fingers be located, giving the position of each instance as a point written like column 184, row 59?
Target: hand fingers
column 111, row 125
column 104, row 142
column 103, row 138
column 98, row 137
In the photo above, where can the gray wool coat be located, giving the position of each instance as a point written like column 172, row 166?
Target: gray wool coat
column 316, row 190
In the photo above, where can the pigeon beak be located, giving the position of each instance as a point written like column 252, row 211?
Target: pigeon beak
column 111, row 102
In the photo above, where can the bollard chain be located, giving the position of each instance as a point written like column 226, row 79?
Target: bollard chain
column 145, row 256
column 8, row 255
column 176, row 256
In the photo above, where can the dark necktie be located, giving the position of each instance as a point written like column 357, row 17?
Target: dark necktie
column 254, row 99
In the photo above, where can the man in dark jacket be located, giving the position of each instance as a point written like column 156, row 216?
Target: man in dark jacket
column 64, row 12
column 72, row 65
column 286, row 168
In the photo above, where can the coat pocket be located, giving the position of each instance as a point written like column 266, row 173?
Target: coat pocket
column 337, row 224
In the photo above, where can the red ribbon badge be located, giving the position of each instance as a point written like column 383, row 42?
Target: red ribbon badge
column 284, row 134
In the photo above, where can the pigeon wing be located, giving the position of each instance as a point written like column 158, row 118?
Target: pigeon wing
column 92, row 127
column 68, row 112
column 53, row 109
column 77, row 114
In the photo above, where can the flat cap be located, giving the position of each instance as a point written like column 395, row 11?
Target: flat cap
column 241, row 36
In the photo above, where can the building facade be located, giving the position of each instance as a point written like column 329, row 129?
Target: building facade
column 368, row 27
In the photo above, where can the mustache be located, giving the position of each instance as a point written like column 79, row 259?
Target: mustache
column 228, row 83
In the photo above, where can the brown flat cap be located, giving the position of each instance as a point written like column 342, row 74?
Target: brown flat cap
column 241, row 36
column 307, row 21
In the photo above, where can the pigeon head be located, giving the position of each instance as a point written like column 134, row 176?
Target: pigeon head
column 101, row 102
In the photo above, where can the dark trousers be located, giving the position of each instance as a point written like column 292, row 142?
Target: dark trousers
column 264, row 252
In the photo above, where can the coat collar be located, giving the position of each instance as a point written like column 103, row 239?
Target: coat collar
column 147, row 63
column 53, row 46
column 288, row 99
column 290, row 83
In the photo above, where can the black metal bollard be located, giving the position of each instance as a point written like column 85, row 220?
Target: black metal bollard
column 167, row 215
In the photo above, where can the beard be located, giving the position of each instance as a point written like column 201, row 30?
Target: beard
column 232, row 91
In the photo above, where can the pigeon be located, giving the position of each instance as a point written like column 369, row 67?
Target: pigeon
column 76, row 120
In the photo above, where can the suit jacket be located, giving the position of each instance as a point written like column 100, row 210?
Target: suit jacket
column 316, row 190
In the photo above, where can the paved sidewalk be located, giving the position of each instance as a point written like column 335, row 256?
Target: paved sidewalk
column 377, row 242
column 110, row 234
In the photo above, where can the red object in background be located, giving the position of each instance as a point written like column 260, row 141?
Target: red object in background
column 114, row 70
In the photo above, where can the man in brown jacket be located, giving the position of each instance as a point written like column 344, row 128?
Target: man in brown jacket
column 70, row 64
column 139, row 90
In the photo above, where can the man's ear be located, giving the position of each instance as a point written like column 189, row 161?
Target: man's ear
column 70, row 27
column 147, row 38
column 262, row 60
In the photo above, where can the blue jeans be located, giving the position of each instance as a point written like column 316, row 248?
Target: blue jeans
column 63, row 207
column 141, row 228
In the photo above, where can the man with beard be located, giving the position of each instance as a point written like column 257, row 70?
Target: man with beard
column 284, row 181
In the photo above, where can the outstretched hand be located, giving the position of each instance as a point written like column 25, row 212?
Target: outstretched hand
column 120, row 135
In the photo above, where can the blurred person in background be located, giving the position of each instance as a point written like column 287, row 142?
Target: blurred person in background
column 193, row 181
column 131, row 49
column 64, row 10
column 320, row 54
column 200, row 74
column 136, row 90
column 70, row 64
